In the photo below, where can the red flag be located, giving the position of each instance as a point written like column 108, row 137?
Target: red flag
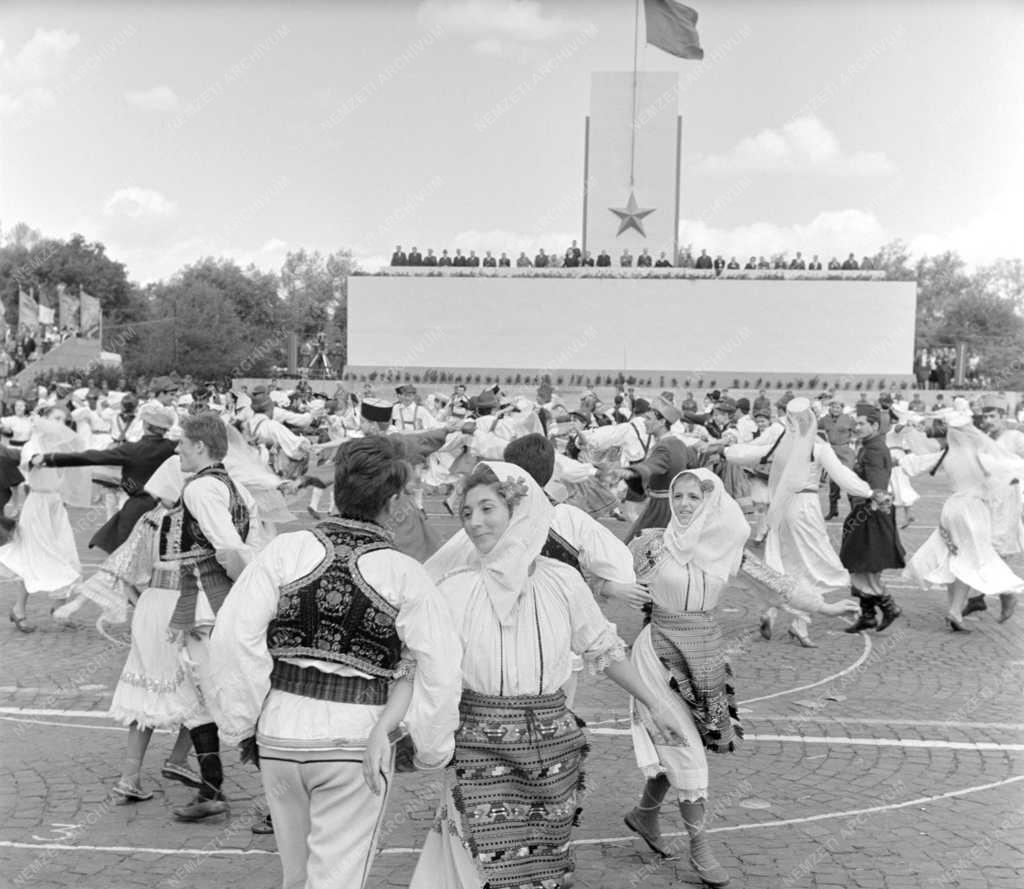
column 671, row 26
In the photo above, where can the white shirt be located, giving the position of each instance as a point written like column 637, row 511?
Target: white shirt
column 631, row 437
column 412, row 418
column 241, row 662
column 555, row 617
column 274, row 434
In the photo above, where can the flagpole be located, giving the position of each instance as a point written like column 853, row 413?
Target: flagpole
column 632, row 128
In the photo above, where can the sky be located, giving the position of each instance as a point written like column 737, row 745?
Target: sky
column 170, row 131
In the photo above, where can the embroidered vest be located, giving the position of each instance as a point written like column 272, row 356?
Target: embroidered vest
column 333, row 614
column 558, row 548
column 182, row 540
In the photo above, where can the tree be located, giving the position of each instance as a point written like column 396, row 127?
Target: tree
column 894, row 259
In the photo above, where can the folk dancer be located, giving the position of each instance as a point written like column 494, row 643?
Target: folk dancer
column 509, row 803
column 206, row 537
column 871, row 543
column 984, row 509
column 797, row 542
column 327, row 642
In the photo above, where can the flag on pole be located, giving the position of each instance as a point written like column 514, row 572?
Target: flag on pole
column 671, row 26
column 67, row 307
column 28, row 311
column 92, row 319
column 45, row 314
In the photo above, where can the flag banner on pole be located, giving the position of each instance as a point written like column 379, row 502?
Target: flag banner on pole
column 45, row 314
column 671, row 26
column 28, row 311
column 91, row 318
column 67, row 307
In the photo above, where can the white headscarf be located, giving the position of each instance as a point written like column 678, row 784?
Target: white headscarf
column 168, row 481
column 791, row 461
column 713, row 539
column 505, row 570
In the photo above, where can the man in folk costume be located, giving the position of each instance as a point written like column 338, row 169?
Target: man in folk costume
column 138, row 461
column 797, row 541
column 165, row 393
column 871, row 543
column 664, row 461
column 331, row 633
column 408, row 416
column 627, row 442
column 207, row 538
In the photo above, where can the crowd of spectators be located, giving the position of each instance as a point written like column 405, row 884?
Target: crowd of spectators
column 936, row 368
column 21, row 348
column 575, row 257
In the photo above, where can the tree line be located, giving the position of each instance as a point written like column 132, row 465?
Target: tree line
column 215, row 318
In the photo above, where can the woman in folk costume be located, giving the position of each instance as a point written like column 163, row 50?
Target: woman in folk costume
column 42, row 553
column 510, row 802
column 906, row 438
column 980, row 522
column 797, row 541
column 680, row 652
column 155, row 690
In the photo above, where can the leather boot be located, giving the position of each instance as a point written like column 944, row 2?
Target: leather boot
column 975, row 603
column 890, row 611
column 866, row 620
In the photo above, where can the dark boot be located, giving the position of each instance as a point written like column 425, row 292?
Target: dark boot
column 890, row 611
column 975, row 603
column 867, row 620
column 833, row 511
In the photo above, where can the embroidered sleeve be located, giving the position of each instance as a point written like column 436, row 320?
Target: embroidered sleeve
column 406, row 668
column 647, row 550
column 600, row 661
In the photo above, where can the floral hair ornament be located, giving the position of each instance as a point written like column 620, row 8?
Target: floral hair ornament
column 511, row 490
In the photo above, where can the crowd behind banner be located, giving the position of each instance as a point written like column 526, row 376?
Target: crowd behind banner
column 42, row 326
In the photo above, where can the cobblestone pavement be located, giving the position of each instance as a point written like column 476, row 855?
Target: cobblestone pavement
column 893, row 760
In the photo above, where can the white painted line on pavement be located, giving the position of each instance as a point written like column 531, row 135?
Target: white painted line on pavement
column 842, row 720
column 864, row 656
column 864, row 742
column 70, row 714
column 598, row 841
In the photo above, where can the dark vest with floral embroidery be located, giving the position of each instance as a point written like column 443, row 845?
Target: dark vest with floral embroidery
column 182, row 540
column 332, row 614
column 558, row 548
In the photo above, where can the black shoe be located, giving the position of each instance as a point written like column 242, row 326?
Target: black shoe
column 263, row 824
column 975, row 603
column 867, row 619
column 833, row 513
column 201, row 808
column 1009, row 605
column 890, row 611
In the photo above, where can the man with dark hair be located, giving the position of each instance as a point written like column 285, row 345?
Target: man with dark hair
column 333, row 634
column 871, row 543
column 398, row 257
column 207, row 537
column 415, row 257
column 138, row 461
column 841, row 431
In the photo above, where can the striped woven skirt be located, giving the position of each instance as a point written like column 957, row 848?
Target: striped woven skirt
column 515, row 796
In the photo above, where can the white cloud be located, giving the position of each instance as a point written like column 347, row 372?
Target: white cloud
column 980, row 240
column 35, row 99
column 834, row 233
column 803, row 144
column 504, row 28
column 274, row 245
column 138, row 203
column 43, row 55
column 159, row 98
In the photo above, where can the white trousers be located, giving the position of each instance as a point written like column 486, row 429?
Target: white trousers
column 326, row 820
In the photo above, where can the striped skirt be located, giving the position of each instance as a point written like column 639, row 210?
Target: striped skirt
column 515, row 796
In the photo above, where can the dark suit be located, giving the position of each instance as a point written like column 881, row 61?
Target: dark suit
column 398, row 258
column 430, row 259
column 704, row 261
column 415, row 258
column 663, row 264
column 10, row 474
column 445, row 260
column 459, row 260
column 473, row 262
column 604, row 260
column 540, row 261
column 138, row 461
column 644, row 261
column 504, row 263
column 490, row 262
